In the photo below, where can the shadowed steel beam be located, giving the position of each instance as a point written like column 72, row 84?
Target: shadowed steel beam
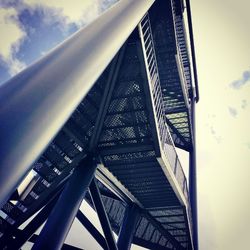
column 64, row 247
column 109, row 194
column 33, row 209
column 91, row 229
column 65, row 210
column 162, row 230
column 33, row 226
column 102, row 215
column 119, row 149
column 171, row 125
column 113, row 75
column 192, row 179
column 127, row 229
column 36, row 103
column 148, row 244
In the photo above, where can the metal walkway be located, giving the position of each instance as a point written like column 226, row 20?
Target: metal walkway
column 132, row 118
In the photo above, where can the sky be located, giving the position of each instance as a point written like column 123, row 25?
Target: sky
column 222, row 41
column 30, row 28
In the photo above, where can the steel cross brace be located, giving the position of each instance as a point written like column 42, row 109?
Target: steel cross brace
column 91, row 229
column 102, row 215
column 63, row 214
column 127, row 229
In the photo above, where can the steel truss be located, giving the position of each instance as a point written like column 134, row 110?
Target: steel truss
column 113, row 144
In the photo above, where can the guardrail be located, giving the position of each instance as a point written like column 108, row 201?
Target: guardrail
column 181, row 45
column 164, row 134
column 153, row 75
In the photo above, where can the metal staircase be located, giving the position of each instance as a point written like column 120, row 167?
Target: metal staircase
column 130, row 121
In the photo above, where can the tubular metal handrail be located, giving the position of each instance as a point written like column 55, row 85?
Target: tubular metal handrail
column 35, row 104
column 182, row 52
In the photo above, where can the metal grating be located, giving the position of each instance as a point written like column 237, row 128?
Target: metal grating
column 55, row 165
column 173, row 219
column 126, row 146
column 172, row 56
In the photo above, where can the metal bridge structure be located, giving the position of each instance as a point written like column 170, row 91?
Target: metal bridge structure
column 99, row 118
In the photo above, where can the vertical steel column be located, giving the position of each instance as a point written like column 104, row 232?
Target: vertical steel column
column 127, row 230
column 193, row 179
column 35, row 104
column 63, row 214
column 104, row 220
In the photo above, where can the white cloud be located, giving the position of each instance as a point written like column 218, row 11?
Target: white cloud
column 244, row 104
column 15, row 66
column 78, row 12
column 239, row 83
column 232, row 111
column 63, row 12
column 11, row 40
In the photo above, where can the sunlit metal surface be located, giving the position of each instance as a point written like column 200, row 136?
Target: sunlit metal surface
column 32, row 104
column 131, row 121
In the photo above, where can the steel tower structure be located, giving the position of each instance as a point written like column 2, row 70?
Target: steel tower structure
column 99, row 118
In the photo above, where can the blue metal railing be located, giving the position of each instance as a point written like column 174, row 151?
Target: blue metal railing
column 164, row 134
column 166, row 140
column 181, row 45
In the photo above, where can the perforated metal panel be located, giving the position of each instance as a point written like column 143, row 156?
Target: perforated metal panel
column 170, row 46
column 127, row 146
column 56, row 163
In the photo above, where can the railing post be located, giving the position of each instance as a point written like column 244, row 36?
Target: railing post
column 193, row 180
column 63, row 214
column 127, row 229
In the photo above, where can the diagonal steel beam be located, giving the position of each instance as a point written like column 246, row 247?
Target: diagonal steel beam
column 33, row 226
column 61, row 218
column 35, row 104
column 128, row 227
column 110, row 85
column 104, row 220
column 178, row 134
column 91, row 229
column 65, row 246
column 162, row 230
column 148, row 244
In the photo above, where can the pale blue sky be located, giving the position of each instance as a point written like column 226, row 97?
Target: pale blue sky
column 222, row 39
